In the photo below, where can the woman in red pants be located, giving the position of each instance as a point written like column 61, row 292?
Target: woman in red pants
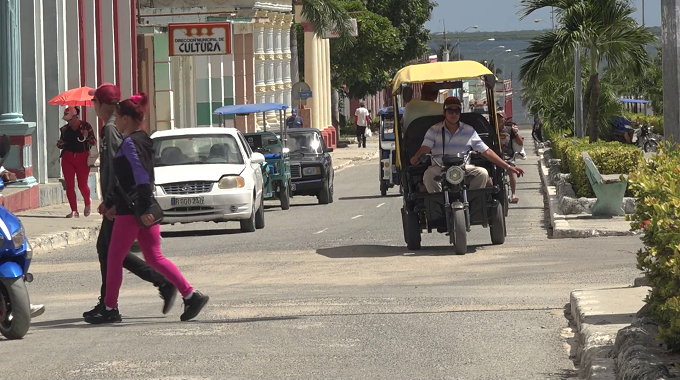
column 75, row 141
column 133, row 166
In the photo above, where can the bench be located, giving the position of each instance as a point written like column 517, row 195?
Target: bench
column 609, row 189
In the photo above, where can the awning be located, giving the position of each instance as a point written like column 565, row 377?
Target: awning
column 439, row 72
column 638, row 101
column 249, row 108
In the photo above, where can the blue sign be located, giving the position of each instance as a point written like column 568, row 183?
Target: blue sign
column 305, row 94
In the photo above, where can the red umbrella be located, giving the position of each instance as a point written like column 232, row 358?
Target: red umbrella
column 75, row 97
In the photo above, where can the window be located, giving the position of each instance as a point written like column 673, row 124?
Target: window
column 305, row 142
column 246, row 146
column 197, row 149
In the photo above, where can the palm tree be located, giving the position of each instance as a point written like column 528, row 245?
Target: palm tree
column 323, row 15
column 605, row 30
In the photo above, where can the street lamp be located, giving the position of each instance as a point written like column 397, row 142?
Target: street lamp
column 497, row 47
column 458, row 40
column 490, row 39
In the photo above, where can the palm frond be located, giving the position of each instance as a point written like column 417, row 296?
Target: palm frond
column 328, row 14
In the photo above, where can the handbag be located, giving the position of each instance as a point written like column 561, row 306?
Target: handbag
column 154, row 209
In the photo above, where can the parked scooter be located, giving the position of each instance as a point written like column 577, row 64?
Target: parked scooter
column 642, row 138
column 15, row 258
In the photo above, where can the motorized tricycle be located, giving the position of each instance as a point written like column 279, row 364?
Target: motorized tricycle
column 389, row 175
column 456, row 208
column 276, row 170
column 15, row 258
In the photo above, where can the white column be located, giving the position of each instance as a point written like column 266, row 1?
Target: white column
column 311, row 75
column 178, row 91
column 91, row 53
column 322, row 84
column 285, row 47
column 216, row 84
column 72, row 46
column 125, row 46
column 270, row 73
column 109, row 72
column 329, row 120
column 189, row 80
column 259, row 41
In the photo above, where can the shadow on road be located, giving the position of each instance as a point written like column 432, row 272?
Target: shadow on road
column 377, row 196
column 354, row 251
column 223, row 231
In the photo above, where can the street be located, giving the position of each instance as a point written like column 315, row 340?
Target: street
column 329, row 292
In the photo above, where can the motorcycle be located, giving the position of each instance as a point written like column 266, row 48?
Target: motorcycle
column 15, row 258
column 642, row 138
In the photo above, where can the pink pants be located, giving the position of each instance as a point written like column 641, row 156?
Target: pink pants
column 125, row 230
column 75, row 165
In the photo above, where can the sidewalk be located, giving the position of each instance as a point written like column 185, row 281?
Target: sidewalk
column 345, row 157
column 48, row 229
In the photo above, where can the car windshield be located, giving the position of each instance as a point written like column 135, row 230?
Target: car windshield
column 304, row 142
column 388, row 130
column 197, row 149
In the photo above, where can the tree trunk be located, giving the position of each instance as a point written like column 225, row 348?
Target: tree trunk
column 586, row 99
column 294, row 66
column 335, row 107
column 595, row 109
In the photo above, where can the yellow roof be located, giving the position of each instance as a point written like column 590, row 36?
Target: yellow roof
column 438, row 72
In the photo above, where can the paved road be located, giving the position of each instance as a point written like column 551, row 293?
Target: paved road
column 329, row 292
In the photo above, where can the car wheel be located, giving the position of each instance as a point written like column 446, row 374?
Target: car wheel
column 324, row 194
column 332, row 193
column 248, row 225
column 259, row 216
column 284, row 197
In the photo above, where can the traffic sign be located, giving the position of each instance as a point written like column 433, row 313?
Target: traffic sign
column 305, row 94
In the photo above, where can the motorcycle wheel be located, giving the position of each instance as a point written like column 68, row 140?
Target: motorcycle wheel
column 284, row 197
column 497, row 227
column 383, row 188
column 650, row 146
column 412, row 230
column 459, row 232
column 15, row 308
column 506, row 197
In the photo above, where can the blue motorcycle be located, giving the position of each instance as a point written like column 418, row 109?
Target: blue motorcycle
column 15, row 258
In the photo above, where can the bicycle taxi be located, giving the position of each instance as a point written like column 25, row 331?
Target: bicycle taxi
column 456, row 208
column 389, row 175
column 276, row 169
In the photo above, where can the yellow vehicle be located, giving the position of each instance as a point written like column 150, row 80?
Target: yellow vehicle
column 456, row 208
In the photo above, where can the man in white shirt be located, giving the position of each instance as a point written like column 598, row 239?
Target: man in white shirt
column 425, row 106
column 362, row 121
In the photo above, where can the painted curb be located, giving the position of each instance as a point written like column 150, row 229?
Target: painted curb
column 49, row 242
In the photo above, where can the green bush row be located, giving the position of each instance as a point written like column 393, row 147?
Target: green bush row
column 609, row 158
column 656, row 185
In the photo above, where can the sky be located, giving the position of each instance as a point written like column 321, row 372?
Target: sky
column 501, row 15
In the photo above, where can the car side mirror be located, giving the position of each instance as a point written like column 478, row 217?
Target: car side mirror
column 257, row 158
column 329, row 150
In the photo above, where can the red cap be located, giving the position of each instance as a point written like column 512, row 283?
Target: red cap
column 107, row 93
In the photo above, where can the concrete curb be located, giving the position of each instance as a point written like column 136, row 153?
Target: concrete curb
column 559, row 222
column 638, row 353
column 49, row 242
column 599, row 315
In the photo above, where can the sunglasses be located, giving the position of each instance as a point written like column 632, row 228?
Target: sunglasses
column 453, row 111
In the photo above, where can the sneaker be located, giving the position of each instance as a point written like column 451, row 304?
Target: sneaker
column 95, row 310
column 88, row 210
column 193, row 306
column 73, row 214
column 168, row 293
column 37, row 310
column 104, row 316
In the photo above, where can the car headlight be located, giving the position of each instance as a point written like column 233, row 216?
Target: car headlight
column 231, row 182
column 455, row 175
column 18, row 237
column 311, row 171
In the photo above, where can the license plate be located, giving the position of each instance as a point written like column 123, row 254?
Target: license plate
column 193, row 201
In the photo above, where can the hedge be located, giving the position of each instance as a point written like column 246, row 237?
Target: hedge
column 656, row 185
column 609, row 158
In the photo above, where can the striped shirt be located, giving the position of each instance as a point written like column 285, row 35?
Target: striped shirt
column 465, row 139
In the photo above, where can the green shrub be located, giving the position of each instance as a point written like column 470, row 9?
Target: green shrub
column 608, row 157
column 656, row 185
column 560, row 146
column 652, row 120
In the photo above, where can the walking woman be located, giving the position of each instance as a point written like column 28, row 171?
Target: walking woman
column 133, row 167
column 77, row 137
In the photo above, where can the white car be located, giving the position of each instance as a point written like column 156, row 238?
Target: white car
column 208, row 175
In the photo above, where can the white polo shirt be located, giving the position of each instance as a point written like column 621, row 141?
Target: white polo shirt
column 465, row 139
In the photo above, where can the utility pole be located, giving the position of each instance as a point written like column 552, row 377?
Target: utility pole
column 552, row 17
column 445, row 56
column 643, row 13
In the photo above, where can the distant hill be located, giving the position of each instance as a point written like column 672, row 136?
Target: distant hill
column 438, row 38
